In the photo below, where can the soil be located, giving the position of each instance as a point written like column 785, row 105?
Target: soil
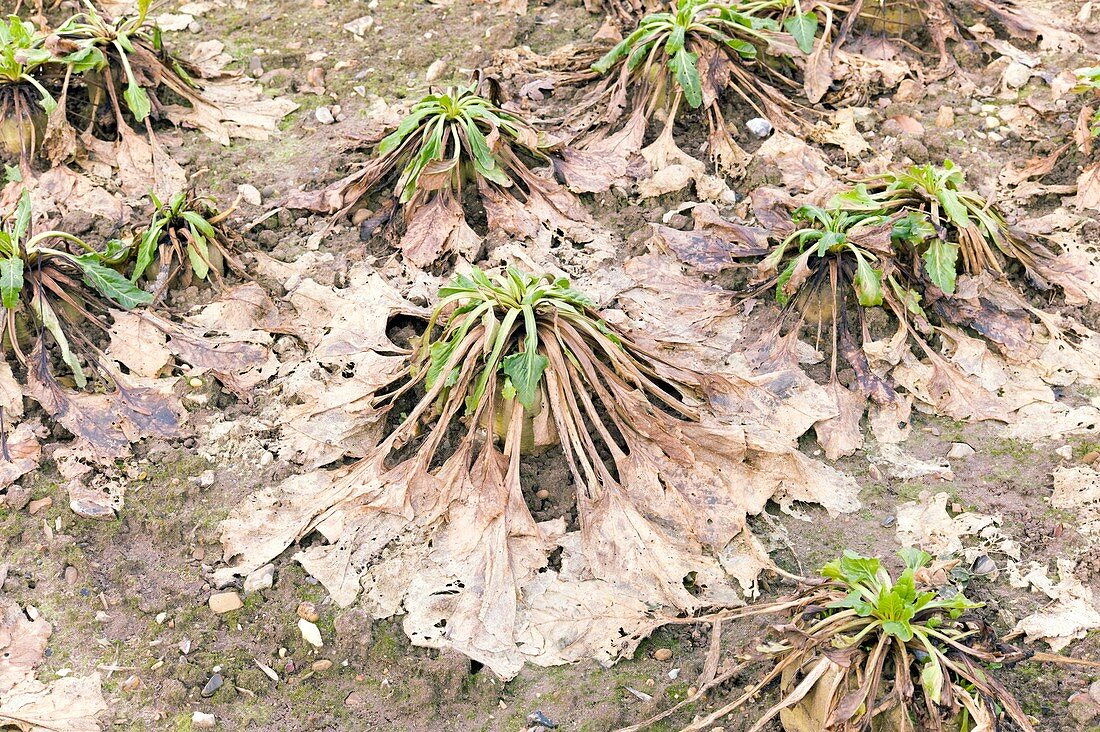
column 124, row 594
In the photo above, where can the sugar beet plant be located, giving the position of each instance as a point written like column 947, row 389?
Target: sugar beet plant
column 864, row 651
column 184, row 241
column 448, row 143
column 24, row 100
column 516, row 347
column 1088, row 84
column 902, row 241
column 968, row 233
column 122, row 67
column 697, row 54
column 47, row 290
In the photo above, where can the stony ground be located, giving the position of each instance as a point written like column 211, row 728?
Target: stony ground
column 130, row 596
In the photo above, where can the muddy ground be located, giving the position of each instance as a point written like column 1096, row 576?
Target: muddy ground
column 123, row 595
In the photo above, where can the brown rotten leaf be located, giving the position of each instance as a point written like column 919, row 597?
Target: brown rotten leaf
column 447, row 143
column 433, row 521
column 70, row 704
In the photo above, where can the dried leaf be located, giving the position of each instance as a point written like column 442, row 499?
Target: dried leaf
column 1072, row 615
column 70, row 704
column 138, row 345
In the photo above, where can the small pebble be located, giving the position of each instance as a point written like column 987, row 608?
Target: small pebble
column 960, row 451
column 250, row 194
column 268, row 671
column 224, row 602
column 759, row 127
column 212, row 686
column 322, row 664
column 202, row 720
column 542, row 494
column 1090, row 457
column 308, row 611
column 324, row 115
column 662, row 654
column 132, row 683
column 1065, row 452
column 435, row 70
column 40, row 505
column 261, row 579
column 310, row 633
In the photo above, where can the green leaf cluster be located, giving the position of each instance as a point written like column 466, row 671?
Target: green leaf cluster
column 183, row 212
column 22, row 259
column 509, row 307
column 21, row 53
column 742, row 28
column 1088, row 81
column 445, row 132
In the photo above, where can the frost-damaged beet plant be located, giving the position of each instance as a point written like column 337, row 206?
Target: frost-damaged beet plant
column 184, row 240
column 50, row 290
column 447, row 143
column 939, row 259
column 968, row 234
column 122, row 66
column 865, row 651
column 114, row 79
column 699, row 54
column 1088, row 83
column 435, row 518
column 24, row 101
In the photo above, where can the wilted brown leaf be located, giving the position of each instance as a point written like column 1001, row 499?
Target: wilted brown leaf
column 70, row 704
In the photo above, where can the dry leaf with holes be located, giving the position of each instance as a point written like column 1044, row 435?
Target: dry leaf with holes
column 70, row 704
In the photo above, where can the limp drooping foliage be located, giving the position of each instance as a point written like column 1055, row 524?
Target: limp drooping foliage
column 937, row 256
column 183, row 241
column 1088, row 84
column 24, row 100
column 694, row 55
column 488, row 348
column 967, row 233
column 50, row 290
column 666, row 464
column 448, row 142
column 862, row 650
column 97, row 84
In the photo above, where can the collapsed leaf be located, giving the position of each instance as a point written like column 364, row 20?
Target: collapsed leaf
column 70, row 704
column 437, row 526
column 449, row 141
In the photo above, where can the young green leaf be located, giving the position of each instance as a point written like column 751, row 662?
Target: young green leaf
column 931, row 678
column 803, row 27
column 110, row 283
column 138, row 101
column 939, row 262
column 525, row 370
column 11, row 281
column 868, row 282
column 687, row 76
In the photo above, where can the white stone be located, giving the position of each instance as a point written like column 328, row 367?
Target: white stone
column 261, row 579
column 202, row 720
column 310, row 632
column 959, row 451
column 1016, row 75
column 759, row 127
column 250, row 194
